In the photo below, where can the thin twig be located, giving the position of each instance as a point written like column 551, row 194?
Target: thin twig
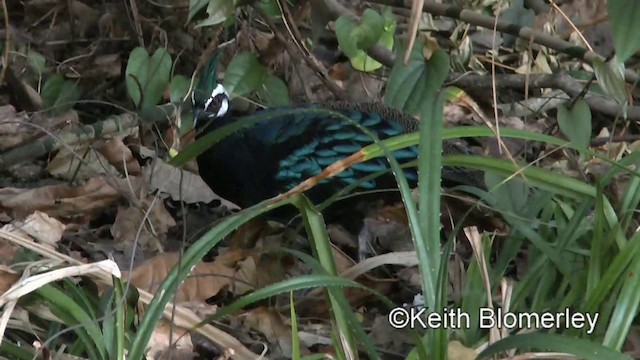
column 136, row 22
column 571, row 24
column 311, row 60
column 7, row 43
column 561, row 81
column 523, row 32
column 414, row 22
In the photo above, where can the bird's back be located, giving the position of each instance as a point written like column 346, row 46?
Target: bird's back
column 277, row 154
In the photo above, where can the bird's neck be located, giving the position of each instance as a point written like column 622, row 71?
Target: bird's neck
column 205, row 126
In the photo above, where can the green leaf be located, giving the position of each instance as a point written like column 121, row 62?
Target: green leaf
column 194, row 8
column 270, row 8
column 72, row 313
column 60, row 95
column 576, row 123
column 407, row 85
column 244, row 75
column 511, row 194
column 51, row 89
column 370, row 29
column 69, row 94
column 178, row 88
column 180, row 272
column 218, row 11
column 354, row 39
column 364, row 62
column 344, row 27
column 138, row 58
column 147, row 77
column 626, row 303
column 581, row 348
column 623, row 16
column 610, row 76
column 36, row 61
column 159, row 75
column 275, row 91
column 425, row 219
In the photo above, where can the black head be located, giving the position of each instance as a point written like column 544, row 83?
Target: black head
column 210, row 100
column 209, row 106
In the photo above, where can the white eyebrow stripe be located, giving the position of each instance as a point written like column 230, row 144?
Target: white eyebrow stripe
column 219, row 90
column 224, row 106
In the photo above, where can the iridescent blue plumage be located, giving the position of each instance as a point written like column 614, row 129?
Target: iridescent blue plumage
column 273, row 156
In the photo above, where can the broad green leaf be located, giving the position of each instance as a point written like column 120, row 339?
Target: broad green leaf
column 364, row 62
column 344, row 27
column 510, row 194
column 270, row 8
column 244, row 75
column 370, row 29
column 60, row 95
column 69, row 94
column 218, row 11
column 136, row 73
column 275, row 91
column 194, row 7
column 147, row 77
column 623, row 16
column 406, row 87
column 353, row 38
column 576, row 123
column 51, row 89
column 159, row 75
column 610, row 76
column 36, row 61
column 178, row 88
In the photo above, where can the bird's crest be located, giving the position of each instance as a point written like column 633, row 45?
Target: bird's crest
column 210, row 99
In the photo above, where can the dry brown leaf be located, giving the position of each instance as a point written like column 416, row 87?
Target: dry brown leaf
column 246, row 277
column 103, row 67
column 8, row 277
column 179, row 184
column 168, row 343
column 399, row 343
column 271, row 324
column 205, row 280
column 7, row 252
column 80, row 162
column 389, row 227
column 59, row 201
column 127, row 227
column 10, row 135
column 267, row 268
column 41, row 227
column 248, row 235
column 457, row 351
column 18, row 129
column 313, row 304
column 118, row 155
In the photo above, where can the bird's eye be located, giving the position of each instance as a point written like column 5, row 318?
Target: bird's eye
column 213, row 104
